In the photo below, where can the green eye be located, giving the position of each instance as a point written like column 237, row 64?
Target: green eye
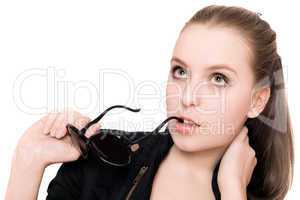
column 178, row 72
column 220, row 79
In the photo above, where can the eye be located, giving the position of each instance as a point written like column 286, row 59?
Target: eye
column 178, row 72
column 220, row 79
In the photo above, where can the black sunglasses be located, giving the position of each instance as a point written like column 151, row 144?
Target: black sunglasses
column 109, row 145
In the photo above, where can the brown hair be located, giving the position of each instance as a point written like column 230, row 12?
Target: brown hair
column 270, row 134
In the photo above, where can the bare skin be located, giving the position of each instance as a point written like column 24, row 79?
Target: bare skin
column 172, row 182
column 46, row 142
column 176, row 179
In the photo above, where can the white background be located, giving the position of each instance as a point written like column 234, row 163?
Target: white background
column 49, row 46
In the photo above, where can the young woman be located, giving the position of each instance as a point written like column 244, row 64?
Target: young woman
column 226, row 82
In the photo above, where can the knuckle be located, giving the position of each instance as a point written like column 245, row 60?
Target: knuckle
column 62, row 130
column 255, row 161
column 60, row 134
column 52, row 133
column 252, row 151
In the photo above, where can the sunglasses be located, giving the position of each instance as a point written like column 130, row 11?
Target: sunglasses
column 108, row 145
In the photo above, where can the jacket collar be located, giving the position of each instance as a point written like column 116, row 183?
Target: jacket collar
column 153, row 151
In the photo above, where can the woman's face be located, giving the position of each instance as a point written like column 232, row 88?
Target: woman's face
column 210, row 82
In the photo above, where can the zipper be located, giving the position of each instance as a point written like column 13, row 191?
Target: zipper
column 136, row 180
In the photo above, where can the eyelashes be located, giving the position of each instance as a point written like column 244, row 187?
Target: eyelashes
column 174, row 70
column 218, row 78
column 222, row 76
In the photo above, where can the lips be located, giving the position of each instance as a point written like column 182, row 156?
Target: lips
column 187, row 127
column 189, row 121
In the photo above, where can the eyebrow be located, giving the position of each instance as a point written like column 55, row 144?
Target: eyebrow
column 218, row 66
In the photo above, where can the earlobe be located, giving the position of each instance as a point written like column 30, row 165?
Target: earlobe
column 252, row 113
column 259, row 102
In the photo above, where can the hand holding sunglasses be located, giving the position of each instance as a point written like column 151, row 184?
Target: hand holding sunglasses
column 110, row 146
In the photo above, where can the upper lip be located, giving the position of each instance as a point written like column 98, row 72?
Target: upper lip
column 189, row 119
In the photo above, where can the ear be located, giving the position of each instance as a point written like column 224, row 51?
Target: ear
column 259, row 100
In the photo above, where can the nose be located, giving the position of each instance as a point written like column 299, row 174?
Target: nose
column 191, row 95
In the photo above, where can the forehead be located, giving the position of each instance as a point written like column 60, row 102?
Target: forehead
column 200, row 45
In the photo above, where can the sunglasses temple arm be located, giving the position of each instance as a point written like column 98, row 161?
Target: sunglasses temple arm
column 157, row 129
column 83, row 130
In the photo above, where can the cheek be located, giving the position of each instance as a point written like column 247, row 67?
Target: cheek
column 230, row 116
column 220, row 126
column 173, row 95
column 225, row 112
column 237, row 106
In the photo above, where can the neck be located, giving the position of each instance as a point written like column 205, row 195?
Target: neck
column 200, row 163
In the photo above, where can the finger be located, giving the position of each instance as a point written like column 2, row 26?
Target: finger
column 61, row 130
column 242, row 135
column 92, row 130
column 73, row 115
column 58, row 121
column 49, row 121
column 81, row 122
column 68, row 116
column 75, row 150
column 42, row 121
column 255, row 162
column 251, row 170
column 253, row 152
column 246, row 139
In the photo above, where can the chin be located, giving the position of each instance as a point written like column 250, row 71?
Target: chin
column 189, row 144
column 194, row 143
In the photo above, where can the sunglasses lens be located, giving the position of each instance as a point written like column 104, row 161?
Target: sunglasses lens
column 77, row 141
column 110, row 148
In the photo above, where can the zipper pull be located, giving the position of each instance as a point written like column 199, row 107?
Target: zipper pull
column 136, row 180
column 141, row 173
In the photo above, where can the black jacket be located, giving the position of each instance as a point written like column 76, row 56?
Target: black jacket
column 90, row 179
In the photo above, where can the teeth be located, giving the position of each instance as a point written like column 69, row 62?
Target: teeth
column 189, row 122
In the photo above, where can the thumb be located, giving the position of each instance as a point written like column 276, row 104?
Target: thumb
column 242, row 135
